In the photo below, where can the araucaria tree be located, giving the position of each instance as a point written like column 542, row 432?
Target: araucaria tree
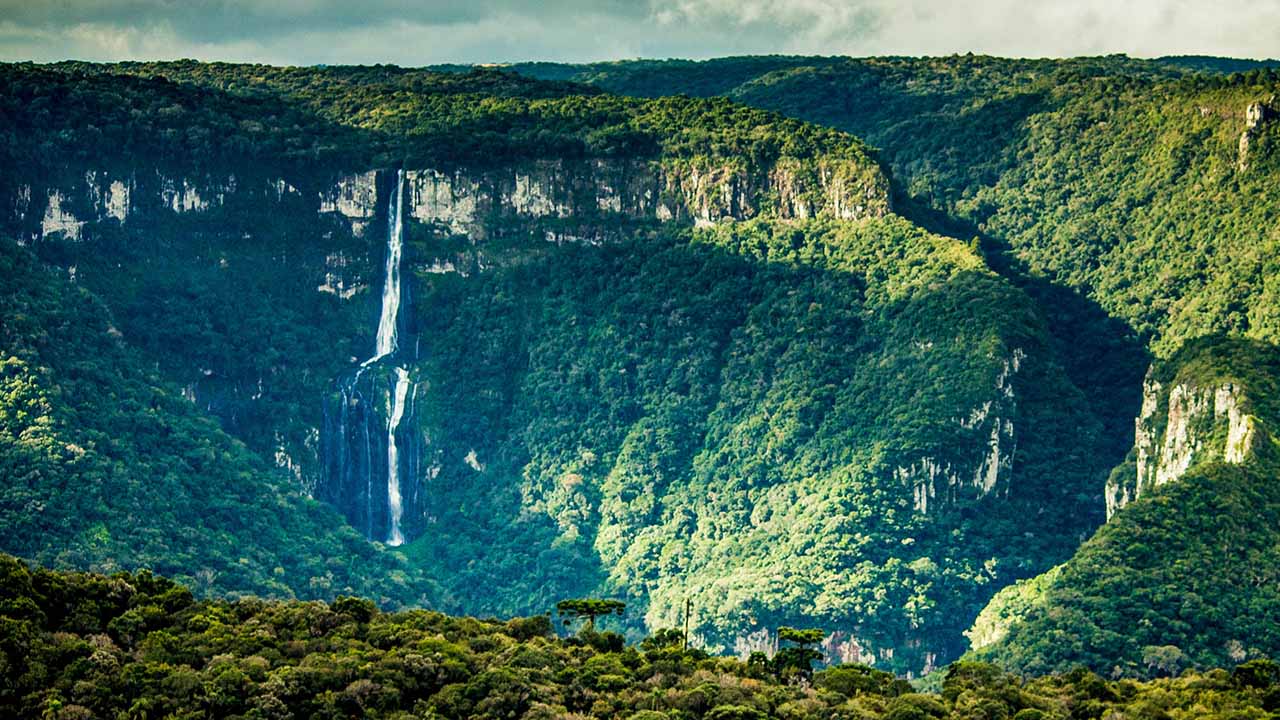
column 589, row 608
column 796, row 661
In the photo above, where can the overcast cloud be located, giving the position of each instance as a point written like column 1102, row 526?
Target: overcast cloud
column 429, row 31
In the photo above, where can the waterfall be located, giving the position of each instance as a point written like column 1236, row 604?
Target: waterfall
column 387, row 321
column 395, row 411
column 351, row 468
column 385, row 345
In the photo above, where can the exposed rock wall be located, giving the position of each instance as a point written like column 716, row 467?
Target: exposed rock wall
column 1256, row 117
column 933, row 481
column 1178, row 427
column 472, row 204
column 67, row 208
column 339, row 245
column 480, row 204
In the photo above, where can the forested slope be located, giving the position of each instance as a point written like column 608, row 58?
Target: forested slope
column 662, row 349
column 105, row 465
column 800, row 426
column 1136, row 202
column 1144, row 185
column 1184, row 574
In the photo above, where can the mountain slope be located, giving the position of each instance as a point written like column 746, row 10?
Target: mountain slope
column 1144, row 185
column 1149, row 191
column 809, row 417
column 104, row 465
column 1185, row 573
column 1133, row 200
column 660, row 349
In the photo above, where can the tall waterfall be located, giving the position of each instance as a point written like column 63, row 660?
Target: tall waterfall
column 385, row 345
column 352, row 467
column 387, row 321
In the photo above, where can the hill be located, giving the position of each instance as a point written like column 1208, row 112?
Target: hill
column 1184, row 573
column 558, row 342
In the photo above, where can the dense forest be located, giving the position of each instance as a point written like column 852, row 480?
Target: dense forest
column 76, row 646
column 107, row 466
column 349, row 118
column 1110, row 188
column 857, row 420
column 754, row 467
column 847, row 344
column 1143, row 185
column 1131, row 600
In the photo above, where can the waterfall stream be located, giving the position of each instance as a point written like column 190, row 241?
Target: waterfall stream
column 395, row 411
column 387, row 321
column 386, row 345
column 350, row 466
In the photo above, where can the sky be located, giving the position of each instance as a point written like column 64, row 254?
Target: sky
column 404, row 32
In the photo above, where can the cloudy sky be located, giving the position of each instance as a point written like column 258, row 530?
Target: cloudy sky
column 429, row 31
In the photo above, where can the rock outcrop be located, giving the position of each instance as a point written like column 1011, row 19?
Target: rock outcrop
column 1179, row 426
column 1256, row 117
column 933, row 480
column 596, row 195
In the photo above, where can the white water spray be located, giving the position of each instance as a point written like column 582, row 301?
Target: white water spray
column 395, row 412
column 387, row 337
column 387, row 343
column 350, row 439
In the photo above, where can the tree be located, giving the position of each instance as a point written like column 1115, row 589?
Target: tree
column 797, row 661
column 589, row 608
column 735, row 712
column 1163, row 659
column 664, row 639
column 802, row 638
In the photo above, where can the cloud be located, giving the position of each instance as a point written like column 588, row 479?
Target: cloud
column 432, row 31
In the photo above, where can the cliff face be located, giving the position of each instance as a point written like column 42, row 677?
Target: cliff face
column 1257, row 116
column 312, row 247
column 482, row 203
column 1183, row 423
column 1185, row 562
column 936, row 482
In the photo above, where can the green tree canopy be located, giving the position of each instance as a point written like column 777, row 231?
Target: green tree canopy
column 588, row 608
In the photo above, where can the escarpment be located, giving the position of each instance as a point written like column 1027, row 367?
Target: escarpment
column 538, row 344
column 459, row 221
column 1190, row 415
column 476, row 203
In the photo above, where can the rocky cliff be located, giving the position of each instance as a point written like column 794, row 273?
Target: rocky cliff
column 480, row 203
column 935, row 482
column 106, row 226
column 1185, row 420
column 572, row 345
column 1184, row 565
column 1257, row 116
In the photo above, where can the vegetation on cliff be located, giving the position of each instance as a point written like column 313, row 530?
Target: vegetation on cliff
column 799, row 425
column 1126, row 180
column 1185, row 576
column 314, row 120
column 107, row 466
column 788, row 422
column 854, row 421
